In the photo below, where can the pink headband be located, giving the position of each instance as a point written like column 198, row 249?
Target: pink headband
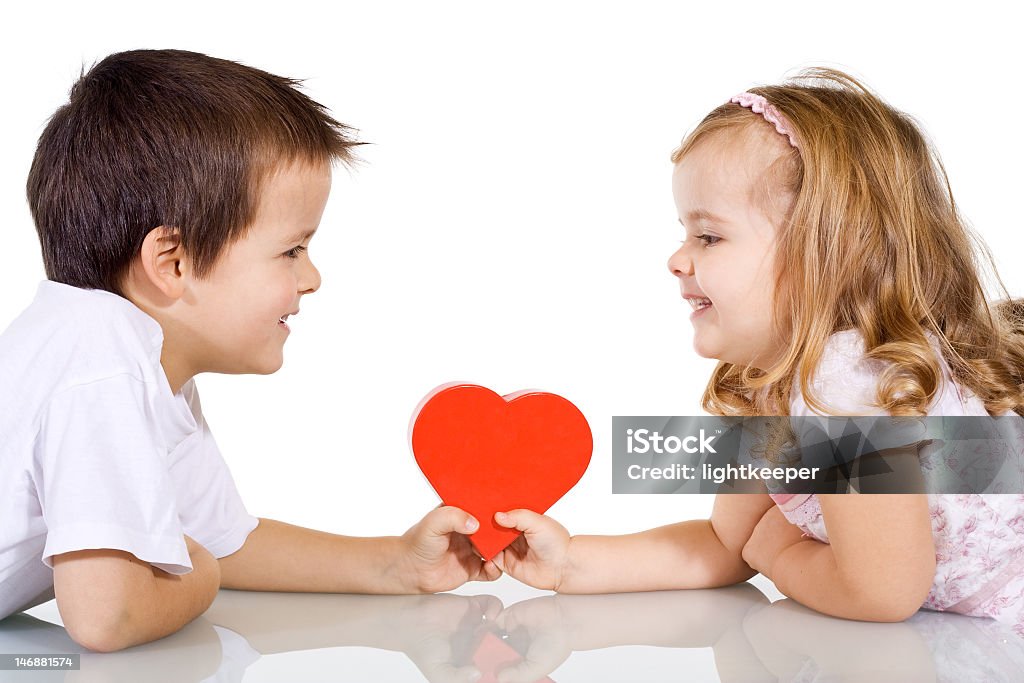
column 760, row 105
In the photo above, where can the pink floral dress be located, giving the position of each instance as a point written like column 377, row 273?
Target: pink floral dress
column 979, row 539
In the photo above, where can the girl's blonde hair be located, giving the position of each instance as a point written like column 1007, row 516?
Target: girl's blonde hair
column 872, row 241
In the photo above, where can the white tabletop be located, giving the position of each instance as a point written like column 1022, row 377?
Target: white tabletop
column 743, row 633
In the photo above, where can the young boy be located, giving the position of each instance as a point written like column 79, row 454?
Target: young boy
column 174, row 195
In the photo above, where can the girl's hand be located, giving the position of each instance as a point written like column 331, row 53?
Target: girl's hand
column 437, row 555
column 773, row 534
column 540, row 555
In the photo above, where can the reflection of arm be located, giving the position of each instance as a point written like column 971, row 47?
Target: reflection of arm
column 698, row 553
column 663, row 619
column 286, row 622
column 879, row 565
column 560, row 624
column 275, row 623
column 786, row 634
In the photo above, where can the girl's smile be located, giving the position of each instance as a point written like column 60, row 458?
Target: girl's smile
column 726, row 264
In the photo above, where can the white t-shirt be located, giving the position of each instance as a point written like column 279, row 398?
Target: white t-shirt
column 95, row 451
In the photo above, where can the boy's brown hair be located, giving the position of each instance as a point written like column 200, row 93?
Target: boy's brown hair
column 166, row 137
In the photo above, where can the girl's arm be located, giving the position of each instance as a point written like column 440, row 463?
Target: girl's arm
column 698, row 553
column 878, row 566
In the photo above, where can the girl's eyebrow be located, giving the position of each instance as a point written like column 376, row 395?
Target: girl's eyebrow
column 704, row 214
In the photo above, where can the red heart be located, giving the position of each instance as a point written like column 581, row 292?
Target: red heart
column 487, row 453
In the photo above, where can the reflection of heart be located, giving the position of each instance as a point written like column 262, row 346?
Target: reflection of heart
column 487, row 453
column 493, row 655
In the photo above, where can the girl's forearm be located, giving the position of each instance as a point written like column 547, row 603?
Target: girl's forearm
column 808, row 573
column 683, row 555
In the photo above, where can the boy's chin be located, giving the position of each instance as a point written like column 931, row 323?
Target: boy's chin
column 274, row 366
column 265, row 366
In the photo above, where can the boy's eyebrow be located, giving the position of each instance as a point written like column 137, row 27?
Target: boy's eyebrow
column 299, row 237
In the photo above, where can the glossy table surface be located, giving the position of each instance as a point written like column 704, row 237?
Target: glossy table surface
column 743, row 633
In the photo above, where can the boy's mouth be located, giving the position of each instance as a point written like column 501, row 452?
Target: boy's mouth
column 282, row 321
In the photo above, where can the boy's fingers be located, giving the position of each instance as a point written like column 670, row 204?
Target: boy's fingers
column 444, row 520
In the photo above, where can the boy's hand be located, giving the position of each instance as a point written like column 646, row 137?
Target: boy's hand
column 773, row 534
column 539, row 557
column 440, row 556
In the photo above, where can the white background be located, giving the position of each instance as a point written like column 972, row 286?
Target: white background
column 513, row 219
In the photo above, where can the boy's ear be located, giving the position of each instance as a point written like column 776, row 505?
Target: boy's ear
column 163, row 261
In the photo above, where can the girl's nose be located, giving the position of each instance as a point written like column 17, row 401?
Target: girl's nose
column 680, row 263
column 310, row 280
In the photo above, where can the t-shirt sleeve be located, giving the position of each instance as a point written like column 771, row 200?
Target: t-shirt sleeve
column 102, row 476
column 211, row 509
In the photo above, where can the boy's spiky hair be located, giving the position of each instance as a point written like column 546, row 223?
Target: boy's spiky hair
column 171, row 138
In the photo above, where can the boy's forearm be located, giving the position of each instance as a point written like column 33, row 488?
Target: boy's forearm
column 683, row 555
column 169, row 602
column 282, row 557
column 807, row 572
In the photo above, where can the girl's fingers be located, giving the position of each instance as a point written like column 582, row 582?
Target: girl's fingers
column 522, row 520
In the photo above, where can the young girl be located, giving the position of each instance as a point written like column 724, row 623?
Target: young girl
column 830, row 273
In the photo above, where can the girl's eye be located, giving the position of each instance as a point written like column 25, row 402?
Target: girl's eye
column 295, row 251
column 707, row 240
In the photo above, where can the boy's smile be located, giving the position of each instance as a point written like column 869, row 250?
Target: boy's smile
column 233, row 322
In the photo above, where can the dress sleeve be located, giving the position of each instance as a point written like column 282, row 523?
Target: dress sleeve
column 212, row 511
column 102, row 478
column 846, row 383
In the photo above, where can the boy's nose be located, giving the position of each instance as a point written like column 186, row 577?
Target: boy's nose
column 679, row 263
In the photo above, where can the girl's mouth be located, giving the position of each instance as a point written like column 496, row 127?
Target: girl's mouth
column 700, row 305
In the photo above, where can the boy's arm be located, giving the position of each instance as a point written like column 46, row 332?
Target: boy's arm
column 879, row 565
column 699, row 553
column 282, row 557
column 110, row 600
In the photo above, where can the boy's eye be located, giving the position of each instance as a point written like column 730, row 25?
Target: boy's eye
column 295, row 251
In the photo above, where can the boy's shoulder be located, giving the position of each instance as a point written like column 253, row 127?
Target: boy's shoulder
column 69, row 336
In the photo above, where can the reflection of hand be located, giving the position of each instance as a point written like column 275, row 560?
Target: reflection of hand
column 439, row 556
column 540, row 623
column 548, row 629
column 539, row 555
column 773, row 534
column 441, row 630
